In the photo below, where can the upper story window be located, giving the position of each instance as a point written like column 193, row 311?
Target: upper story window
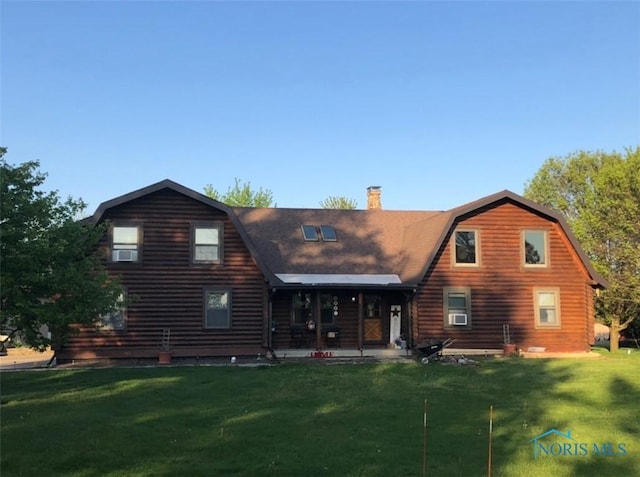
column 125, row 243
column 535, row 248
column 206, row 243
column 466, row 247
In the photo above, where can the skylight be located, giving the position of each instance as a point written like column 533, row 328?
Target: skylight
column 313, row 233
column 310, row 233
column 328, row 233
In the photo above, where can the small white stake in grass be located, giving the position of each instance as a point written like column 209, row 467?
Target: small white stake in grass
column 424, row 442
column 490, row 433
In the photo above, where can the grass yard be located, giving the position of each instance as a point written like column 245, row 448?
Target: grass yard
column 308, row 419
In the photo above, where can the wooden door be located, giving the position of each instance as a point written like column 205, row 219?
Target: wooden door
column 373, row 330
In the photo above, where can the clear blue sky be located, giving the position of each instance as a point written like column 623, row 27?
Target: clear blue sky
column 440, row 103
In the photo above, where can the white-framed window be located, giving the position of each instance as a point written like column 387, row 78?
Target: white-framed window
column 125, row 243
column 117, row 319
column 206, row 243
column 547, row 307
column 217, row 309
column 535, row 248
column 457, row 307
column 466, row 249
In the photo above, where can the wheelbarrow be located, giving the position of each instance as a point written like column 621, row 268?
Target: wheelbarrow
column 431, row 349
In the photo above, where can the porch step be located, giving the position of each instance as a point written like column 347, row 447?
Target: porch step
column 343, row 353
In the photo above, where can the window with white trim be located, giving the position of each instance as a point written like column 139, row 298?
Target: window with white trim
column 217, row 309
column 547, row 307
column 125, row 243
column 457, row 307
column 466, row 250
column 534, row 247
column 206, row 243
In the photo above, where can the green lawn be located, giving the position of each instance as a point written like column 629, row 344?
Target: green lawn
column 307, row 419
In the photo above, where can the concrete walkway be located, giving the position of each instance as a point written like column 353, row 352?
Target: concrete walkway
column 24, row 358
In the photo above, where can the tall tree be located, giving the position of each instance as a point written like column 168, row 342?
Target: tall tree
column 241, row 195
column 50, row 268
column 333, row 202
column 599, row 194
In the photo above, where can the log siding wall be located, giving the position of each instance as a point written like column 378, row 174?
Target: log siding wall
column 502, row 287
column 167, row 289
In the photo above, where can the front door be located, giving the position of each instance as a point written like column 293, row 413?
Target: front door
column 372, row 332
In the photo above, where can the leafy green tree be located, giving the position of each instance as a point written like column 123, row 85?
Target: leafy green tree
column 241, row 195
column 599, row 194
column 50, row 268
column 333, row 202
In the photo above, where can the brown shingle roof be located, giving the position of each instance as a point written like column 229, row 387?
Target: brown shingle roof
column 369, row 241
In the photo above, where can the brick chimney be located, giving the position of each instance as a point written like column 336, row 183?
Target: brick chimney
column 373, row 197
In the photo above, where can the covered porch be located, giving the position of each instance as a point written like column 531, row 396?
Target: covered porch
column 346, row 320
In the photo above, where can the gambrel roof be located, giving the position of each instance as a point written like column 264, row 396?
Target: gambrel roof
column 384, row 243
column 373, row 247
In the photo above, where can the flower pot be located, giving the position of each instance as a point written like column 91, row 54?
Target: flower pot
column 164, row 357
column 508, row 348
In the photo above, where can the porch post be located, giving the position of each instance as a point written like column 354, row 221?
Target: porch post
column 268, row 326
column 360, row 320
column 408, row 301
column 318, row 322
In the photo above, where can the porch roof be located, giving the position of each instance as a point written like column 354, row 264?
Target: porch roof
column 339, row 279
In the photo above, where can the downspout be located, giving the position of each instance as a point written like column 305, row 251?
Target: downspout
column 270, row 320
column 270, row 323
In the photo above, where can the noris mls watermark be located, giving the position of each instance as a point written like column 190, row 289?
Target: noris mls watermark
column 554, row 443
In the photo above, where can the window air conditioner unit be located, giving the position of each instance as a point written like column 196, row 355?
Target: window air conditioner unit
column 458, row 319
column 125, row 255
